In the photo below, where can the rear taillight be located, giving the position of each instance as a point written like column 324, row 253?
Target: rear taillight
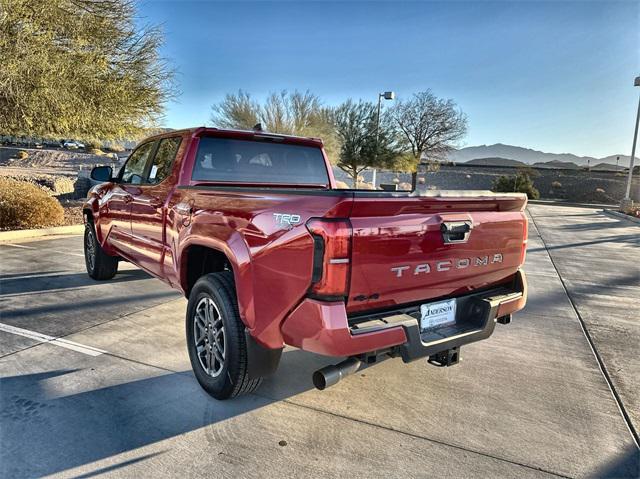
column 331, row 257
column 525, row 238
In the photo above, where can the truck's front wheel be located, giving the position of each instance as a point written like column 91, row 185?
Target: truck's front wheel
column 215, row 338
column 99, row 264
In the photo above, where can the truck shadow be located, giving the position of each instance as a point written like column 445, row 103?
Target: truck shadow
column 625, row 464
column 32, row 282
column 44, row 435
column 88, row 306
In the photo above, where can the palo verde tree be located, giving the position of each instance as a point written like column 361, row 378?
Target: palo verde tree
column 427, row 126
column 79, row 68
column 237, row 111
column 289, row 113
column 361, row 145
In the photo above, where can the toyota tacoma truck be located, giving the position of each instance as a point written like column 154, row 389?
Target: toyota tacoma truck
column 251, row 228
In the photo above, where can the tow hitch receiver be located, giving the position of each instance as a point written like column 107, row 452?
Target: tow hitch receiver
column 450, row 357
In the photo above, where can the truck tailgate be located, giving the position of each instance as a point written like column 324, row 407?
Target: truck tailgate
column 411, row 249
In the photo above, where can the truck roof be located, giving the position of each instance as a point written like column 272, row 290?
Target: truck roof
column 240, row 134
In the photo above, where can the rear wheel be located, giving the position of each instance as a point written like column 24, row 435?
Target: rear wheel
column 215, row 338
column 99, row 264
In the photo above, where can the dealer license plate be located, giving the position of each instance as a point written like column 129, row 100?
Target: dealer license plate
column 437, row 314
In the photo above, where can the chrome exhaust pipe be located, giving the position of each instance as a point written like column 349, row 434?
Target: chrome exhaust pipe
column 330, row 375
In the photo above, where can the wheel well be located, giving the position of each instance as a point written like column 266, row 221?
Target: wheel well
column 201, row 260
column 88, row 214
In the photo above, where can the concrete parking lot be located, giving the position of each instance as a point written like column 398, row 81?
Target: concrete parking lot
column 95, row 379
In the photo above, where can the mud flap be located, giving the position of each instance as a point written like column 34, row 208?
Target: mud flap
column 261, row 361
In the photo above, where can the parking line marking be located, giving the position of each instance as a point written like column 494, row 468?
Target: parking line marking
column 49, row 250
column 44, row 338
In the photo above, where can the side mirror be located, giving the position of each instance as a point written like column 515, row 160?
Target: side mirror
column 101, row 173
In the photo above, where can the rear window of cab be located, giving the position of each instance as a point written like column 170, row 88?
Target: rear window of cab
column 246, row 161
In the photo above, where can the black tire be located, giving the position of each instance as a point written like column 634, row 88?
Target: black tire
column 100, row 265
column 227, row 378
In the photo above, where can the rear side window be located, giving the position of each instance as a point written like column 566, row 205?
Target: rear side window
column 163, row 160
column 245, row 161
column 133, row 171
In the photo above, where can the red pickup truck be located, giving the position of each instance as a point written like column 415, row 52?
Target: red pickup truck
column 250, row 227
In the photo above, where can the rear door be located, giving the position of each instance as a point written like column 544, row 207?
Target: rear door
column 413, row 249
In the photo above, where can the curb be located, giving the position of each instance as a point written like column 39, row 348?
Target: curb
column 617, row 214
column 58, row 230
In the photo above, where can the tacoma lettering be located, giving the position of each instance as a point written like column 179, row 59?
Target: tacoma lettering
column 447, row 265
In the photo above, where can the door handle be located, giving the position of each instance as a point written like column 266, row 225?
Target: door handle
column 183, row 209
column 155, row 202
column 456, row 231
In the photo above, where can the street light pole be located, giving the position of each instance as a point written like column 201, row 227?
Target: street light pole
column 387, row 95
column 627, row 197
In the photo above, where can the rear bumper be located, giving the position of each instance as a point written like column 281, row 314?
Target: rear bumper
column 323, row 327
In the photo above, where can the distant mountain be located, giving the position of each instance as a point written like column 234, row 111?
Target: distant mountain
column 624, row 160
column 527, row 155
column 567, row 165
column 495, row 161
column 608, row 167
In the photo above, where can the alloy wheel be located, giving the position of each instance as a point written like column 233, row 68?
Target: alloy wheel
column 208, row 334
column 90, row 250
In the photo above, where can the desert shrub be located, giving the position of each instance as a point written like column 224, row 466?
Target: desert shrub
column 632, row 210
column 600, row 195
column 22, row 155
column 93, row 144
column 115, row 147
column 396, row 180
column 342, row 185
column 61, row 185
column 25, row 205
column 404, row 186
column 52, row 185
column 556, row 185
column 363, row 185
column 96, row 151
column 521, row 183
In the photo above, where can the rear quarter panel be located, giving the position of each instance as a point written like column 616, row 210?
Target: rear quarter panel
column 271, row 261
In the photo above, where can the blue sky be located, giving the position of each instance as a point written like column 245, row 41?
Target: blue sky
column 554, row 76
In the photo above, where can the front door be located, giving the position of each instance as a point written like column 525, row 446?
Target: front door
column 121, row 196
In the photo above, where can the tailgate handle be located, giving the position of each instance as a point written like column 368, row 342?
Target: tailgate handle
column 456, row 231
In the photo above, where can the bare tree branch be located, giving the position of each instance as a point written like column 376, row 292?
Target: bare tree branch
column 428, row 126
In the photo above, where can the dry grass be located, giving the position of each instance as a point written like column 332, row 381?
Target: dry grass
column 52, row 184
column 24, row 205
column 73, row 213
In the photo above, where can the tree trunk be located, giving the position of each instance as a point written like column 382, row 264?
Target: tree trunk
column 414, row 180
column 354, row 178
column 414, row 175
